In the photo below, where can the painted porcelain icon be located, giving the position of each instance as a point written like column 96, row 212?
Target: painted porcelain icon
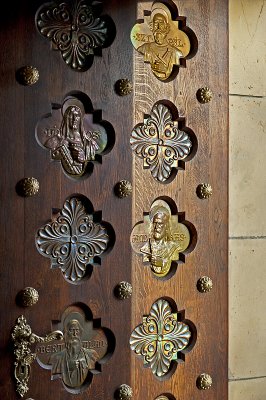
column 161, row 42
column 160, row 238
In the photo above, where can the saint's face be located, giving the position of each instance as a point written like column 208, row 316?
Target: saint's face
column 73, row 333
column 159, row 228
column 74, row 118
column 160, row 29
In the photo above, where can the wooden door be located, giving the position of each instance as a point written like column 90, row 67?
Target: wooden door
column 75, row 240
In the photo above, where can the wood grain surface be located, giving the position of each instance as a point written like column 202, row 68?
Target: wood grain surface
column 209, row 122
column 21, row 156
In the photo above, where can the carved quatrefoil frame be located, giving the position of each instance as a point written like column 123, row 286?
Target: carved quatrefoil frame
column 162, row 337
column 75, row 134
column 97, row 345
column 163, row 141
column 76, row 29
column 75, row 239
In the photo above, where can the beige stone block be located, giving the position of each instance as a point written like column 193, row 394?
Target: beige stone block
column 247, row 299
column 247, row 21
column 252, row 389
column 247, row 167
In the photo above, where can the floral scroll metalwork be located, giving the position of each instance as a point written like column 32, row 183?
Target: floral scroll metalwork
column 23, row 338
column 160, row 143
column 72, row 240
column 75, row 29
column 73, row 136
column 159, row 338
column 161, row 41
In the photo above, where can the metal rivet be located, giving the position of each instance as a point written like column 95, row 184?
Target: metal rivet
column 123, row 87
column 28, row 297
column 204, row 284
column 204, row 95
column 28, row 187
column 123, row 290
column 204, row 191
column 123, row 189
column 204, row 382
column 124, row 392
column 27, row 75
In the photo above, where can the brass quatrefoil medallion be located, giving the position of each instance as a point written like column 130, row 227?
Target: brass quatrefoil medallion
column 160, row 142
column 72, row 240
column 160, row 338
column 160, row 238
column 76, row 30
column 161, row 41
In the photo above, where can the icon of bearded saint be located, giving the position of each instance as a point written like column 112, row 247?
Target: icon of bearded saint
column 74, row 361
column 160, row 250
column 160, row 54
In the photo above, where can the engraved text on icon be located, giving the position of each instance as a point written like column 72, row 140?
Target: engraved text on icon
column 160, row 238
column 160, row 41
column 75, row 357
column 75, row 140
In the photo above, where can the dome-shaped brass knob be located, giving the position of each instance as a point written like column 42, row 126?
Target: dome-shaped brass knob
column 123, row 87
column 124, row 392
column 28, row 187
column 204, row 284
column 123, row 290
column 204, row 382
column 28, row 297
column 204, row 95
column 123, row 189
column 204, row 191
column 162, row 398
column 27, row 75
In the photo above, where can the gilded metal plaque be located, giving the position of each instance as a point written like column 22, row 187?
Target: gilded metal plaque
column 160, row 238
column 159, row 338
column 160, row 143
column 76, row 29
column 72, row 136
column 77, row 357
column 72, row 240
column 160, row 40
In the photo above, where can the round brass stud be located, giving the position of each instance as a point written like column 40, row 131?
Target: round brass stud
column 123, row 290
column 123, row 189
column 124, row 392
column 27, row 75
column 204, row 382
column 28, row 187
column 204, row 191
column 204, row 284
column 162, row 398
column 204, row 95
column 28, row 297
column 123, row 87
